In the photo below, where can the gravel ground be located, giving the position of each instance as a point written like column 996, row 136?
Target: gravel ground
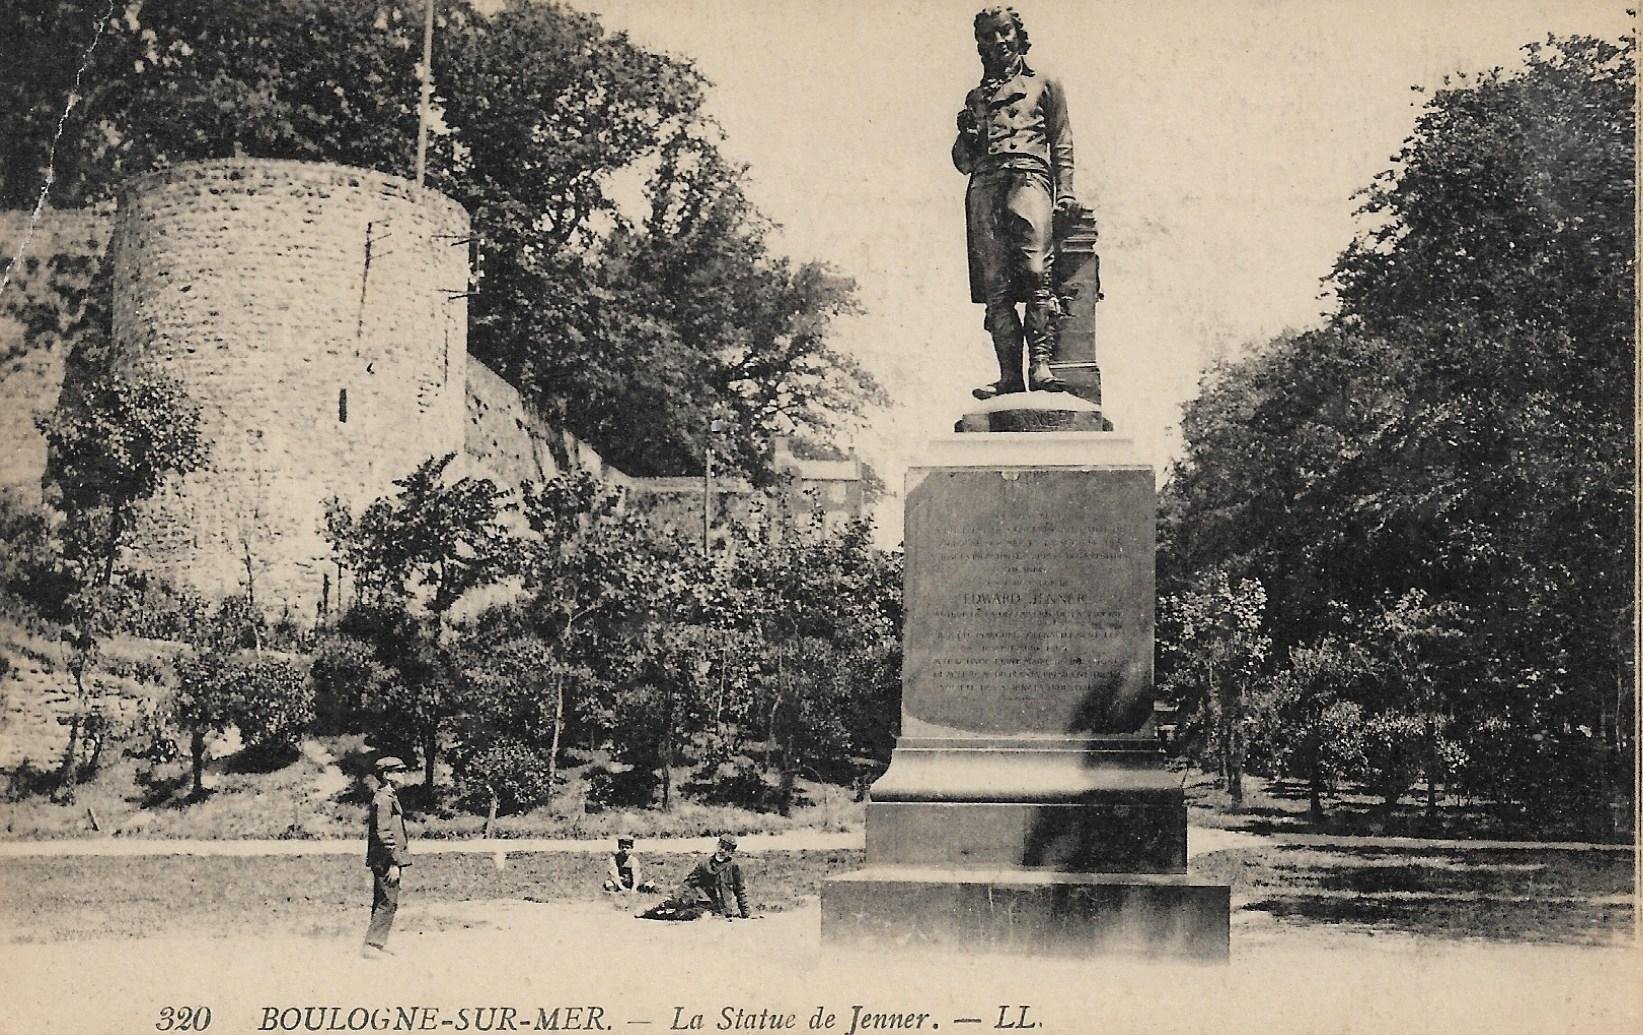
column 488, row 956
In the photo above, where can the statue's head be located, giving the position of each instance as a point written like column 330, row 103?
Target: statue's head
column 1001, row 36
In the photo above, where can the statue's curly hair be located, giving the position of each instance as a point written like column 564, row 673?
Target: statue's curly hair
column 1001, row 11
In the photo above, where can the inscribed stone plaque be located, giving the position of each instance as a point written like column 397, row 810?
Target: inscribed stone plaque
column 1029, row 602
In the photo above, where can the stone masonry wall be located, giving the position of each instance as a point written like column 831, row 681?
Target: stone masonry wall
column 37, row 695
column 507, row 441
column 318, row 315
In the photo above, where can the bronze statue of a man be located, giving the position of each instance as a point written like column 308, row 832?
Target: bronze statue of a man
column 1017, row 147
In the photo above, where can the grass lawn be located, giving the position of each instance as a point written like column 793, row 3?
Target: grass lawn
column 1521, row 895
column 145, row 896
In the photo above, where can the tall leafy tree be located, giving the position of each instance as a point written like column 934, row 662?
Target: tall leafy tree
column 414, row 555
column 591, row 566
column 746, row 331
column 1215, row 648
column 1463, row 427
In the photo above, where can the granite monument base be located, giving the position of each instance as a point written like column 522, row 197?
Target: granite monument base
column 1028, row 806
column 1074, row 804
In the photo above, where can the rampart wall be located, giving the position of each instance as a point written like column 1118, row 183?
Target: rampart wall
column 510, row 443
column 318, row 315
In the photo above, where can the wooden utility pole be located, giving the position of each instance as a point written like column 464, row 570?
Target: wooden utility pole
column 714, row 426
column 707, row 500
column 423, row 109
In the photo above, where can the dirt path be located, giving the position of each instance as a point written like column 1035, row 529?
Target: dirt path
column 530, row 957
column 1200, row 841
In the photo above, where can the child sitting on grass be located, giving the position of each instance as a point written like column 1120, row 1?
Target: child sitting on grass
column 624, row 875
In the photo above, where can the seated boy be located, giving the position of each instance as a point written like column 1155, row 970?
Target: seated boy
column 624, row 875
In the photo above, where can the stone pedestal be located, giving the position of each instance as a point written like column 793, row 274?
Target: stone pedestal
column 1027, row 804
column 1033, row 411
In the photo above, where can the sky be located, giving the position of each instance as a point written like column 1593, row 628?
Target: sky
column 1220, row 143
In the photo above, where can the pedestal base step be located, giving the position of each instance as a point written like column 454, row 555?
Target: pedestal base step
column 1028, row 912
column 1097, row 837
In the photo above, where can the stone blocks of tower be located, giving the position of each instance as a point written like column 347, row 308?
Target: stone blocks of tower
column 318, row 315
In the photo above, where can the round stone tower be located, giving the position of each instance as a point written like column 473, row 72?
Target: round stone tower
column 318, row 315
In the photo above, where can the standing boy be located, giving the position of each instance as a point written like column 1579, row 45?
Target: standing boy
column 387, row 852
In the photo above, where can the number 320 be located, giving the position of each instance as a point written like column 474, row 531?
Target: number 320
column 184, row 1018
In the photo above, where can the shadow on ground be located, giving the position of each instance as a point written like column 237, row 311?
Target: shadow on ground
column 1521, row 895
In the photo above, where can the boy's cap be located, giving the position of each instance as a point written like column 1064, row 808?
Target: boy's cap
column 625, row 840
column 390, row 764
column 727, row 842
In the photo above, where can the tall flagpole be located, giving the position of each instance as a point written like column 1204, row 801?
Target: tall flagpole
column 427, row 70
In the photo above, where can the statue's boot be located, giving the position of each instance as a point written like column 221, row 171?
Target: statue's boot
column 1008, row 345
column 1041, row 344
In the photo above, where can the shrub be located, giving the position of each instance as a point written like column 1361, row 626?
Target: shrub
column 151, row 608
column 27, row 780
column 607, row 788
column 347, row 678
column 740, row 783
column 274, row 703
column 32, row 581
column 150, row 736
column 1546, row 779
column 1394, row 750
column 512, row 772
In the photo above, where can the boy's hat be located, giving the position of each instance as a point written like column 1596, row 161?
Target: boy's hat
column 390, row 764
column 625, row 841
column 727, row 842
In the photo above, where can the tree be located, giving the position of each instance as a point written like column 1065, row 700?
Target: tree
column 222, row 683
column 414, row 555
column 1513, row 196
column 743, row 334
column 421, row 694
column 1463, row 426
column 435, row 536
column 509, row 715
column 1505, row 231
column 592, row 561
column 117, row 433
column 83, row 637
column 192, row 79
column 826, row 608
column 1308, row 719
column 205, row 703
column 664, row 704
column 1212, row 641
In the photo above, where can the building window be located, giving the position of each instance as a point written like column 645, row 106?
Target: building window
column 342, row 406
